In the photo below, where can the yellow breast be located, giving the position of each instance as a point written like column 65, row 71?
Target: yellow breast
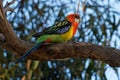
column 68, row 35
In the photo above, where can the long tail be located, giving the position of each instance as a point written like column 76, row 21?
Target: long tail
column 35, row 47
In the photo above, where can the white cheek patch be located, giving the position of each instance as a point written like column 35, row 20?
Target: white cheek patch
column 77, row 20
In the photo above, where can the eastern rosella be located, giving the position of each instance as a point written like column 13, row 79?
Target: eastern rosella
column 59, row 32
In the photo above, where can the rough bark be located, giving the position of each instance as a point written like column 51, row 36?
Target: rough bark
column 11, row 42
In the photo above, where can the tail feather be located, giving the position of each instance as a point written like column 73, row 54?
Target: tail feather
column 35, row 47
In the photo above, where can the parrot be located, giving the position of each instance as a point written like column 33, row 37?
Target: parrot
column 61, row 31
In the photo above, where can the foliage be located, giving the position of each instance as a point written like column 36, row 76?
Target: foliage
column 99, row 25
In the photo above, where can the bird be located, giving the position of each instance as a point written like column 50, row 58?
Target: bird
column 61, row 31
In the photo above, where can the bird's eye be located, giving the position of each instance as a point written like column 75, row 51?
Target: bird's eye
column 77, row 17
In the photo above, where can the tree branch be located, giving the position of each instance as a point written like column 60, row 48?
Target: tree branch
column 56, row 51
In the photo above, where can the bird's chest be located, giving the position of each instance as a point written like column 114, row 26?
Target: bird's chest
column 68, row 35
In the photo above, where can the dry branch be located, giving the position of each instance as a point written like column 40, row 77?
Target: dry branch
column 56, row 51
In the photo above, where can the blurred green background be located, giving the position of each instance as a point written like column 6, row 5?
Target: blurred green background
column 100, row 24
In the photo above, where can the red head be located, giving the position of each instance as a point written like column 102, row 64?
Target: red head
column 74, row 19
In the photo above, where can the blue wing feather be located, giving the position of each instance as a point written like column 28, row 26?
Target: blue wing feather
column 35, row 47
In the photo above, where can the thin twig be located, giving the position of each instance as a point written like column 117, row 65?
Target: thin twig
column 83, row 6
column 77, row 10
column 7, row 6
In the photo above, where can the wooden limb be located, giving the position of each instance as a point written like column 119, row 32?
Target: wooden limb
column 12, row 42
column 56, row 51
column 78, row 50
